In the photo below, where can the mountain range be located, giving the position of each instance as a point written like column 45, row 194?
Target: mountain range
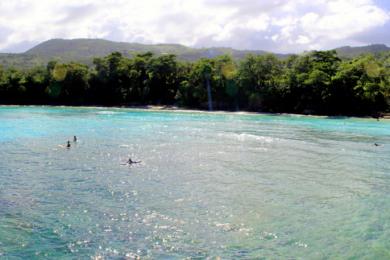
column 84, row 50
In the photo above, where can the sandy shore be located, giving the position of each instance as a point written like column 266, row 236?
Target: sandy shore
column 185, row 110
column 385, row 116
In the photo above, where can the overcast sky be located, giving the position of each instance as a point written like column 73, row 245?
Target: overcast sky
column 272, row 25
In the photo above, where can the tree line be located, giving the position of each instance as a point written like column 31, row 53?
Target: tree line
column 317, row 82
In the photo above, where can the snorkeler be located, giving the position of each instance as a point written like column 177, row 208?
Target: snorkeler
column 130, row 162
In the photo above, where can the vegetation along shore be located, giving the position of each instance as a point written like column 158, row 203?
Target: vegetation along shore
column 317, row 82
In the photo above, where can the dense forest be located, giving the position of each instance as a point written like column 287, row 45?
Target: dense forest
column 317, row 82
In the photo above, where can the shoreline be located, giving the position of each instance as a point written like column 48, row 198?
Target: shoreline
column 158, row 108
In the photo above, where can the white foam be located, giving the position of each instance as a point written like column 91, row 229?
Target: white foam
column 247, row 137
column 107, row 113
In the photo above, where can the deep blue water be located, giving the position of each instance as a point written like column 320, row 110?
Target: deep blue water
column 210, row 185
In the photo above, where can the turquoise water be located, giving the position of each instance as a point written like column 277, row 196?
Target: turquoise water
column 209, row 185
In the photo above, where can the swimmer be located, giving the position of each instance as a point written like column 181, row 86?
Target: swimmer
column 377, row 144
column 68, row 145
column 74, row 139
column 130, row 162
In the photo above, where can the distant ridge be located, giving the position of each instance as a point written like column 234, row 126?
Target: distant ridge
column 88, row 48
column 84, row 50
column 350, row 52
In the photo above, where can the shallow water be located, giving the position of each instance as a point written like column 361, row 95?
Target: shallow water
column 233, row 186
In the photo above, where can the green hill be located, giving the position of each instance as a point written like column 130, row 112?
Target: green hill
column 350, row 52
column 84, row 50
column 89, row 48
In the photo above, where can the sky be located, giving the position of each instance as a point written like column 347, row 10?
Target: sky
column 283, row 26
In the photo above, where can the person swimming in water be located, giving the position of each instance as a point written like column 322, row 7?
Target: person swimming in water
column 74, row 139
column 130, row 162
column 68, row 145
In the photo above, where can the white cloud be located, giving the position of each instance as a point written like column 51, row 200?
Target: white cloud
column 281, row 25
column 259, row 23
column 303, row 40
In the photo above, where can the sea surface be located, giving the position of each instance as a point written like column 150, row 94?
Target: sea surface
column 210, row 185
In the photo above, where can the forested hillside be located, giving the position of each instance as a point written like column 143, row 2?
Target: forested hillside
column 351, row 52
column 85, row 50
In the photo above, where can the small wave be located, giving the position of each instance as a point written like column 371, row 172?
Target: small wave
column 248, row 137
column 227, row 227
column 301, row 244
column 268, row 236
column 107, row 113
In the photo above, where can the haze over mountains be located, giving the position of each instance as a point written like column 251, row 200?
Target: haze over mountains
column 84, row 50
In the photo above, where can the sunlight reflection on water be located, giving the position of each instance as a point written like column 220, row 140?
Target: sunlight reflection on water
column 234, row 186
